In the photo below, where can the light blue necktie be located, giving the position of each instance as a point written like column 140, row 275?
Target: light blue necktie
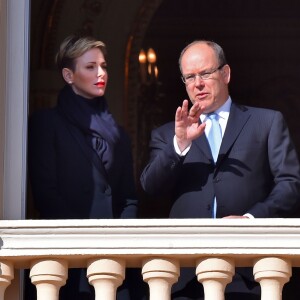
column 214, row 138
column 214, row 135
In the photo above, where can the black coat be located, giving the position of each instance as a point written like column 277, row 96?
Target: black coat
column 65, row 177
column 69, row 181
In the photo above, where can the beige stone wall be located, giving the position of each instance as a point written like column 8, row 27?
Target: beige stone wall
column 2, row 95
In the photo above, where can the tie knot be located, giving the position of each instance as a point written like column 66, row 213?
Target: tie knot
column 213, row 116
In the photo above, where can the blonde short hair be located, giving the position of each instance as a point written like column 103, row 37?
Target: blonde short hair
column 73, row 47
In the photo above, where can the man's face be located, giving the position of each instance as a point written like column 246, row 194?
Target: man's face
column 212, row 92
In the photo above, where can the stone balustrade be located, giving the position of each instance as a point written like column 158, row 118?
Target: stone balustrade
column 158, row 246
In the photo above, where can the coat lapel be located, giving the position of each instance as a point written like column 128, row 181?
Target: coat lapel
column 88, row 151
column 239, row 115
column 203, row 145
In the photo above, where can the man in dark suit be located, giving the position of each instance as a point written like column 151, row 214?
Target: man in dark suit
column 255, row 175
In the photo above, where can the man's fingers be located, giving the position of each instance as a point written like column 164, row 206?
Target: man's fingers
column 194, row 109
column 185, row 107
column 201, row 128
column 178, row 114
column 182, row 111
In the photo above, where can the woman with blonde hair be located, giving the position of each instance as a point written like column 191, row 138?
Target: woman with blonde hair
column 80, row 161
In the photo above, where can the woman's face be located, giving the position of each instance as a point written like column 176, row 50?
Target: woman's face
column 89, row 79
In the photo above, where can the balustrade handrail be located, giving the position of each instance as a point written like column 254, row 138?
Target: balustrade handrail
column 133, row 238
column 214, row 247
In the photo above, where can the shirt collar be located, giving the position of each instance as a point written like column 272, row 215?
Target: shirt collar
column 222, row 111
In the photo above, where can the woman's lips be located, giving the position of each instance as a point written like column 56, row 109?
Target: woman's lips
column 100, row 84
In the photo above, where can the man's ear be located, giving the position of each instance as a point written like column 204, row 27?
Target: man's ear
column 226, row 73
column 67, row 75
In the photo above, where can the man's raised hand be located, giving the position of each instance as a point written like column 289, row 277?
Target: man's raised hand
column 187, row 126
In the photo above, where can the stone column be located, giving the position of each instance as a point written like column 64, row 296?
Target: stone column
column 272, row 273
column 160, row 274
column 6, row 276
column 106, row 274
column 48, row 276
column 215, row 274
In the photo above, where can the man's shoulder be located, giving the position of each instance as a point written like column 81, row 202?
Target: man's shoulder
column 166, row 127
column 164, row 132
column 255, row 109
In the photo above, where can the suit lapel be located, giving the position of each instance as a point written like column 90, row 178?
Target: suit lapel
column 203, row 145
column 239, row 115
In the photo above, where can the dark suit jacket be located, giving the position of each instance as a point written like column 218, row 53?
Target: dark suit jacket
column 66, row 178
column 257, row 170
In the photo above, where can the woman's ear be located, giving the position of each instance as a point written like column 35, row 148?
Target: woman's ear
column 67, row 75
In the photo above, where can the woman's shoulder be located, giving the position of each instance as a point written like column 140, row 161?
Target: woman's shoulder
column 44, row 119
column 44, row 115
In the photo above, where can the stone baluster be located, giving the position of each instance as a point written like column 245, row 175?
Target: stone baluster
column 215, row 274
column 272, row 273
column 106, row 274
column 48, row 275
column 160, row 274
column 6, row 276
